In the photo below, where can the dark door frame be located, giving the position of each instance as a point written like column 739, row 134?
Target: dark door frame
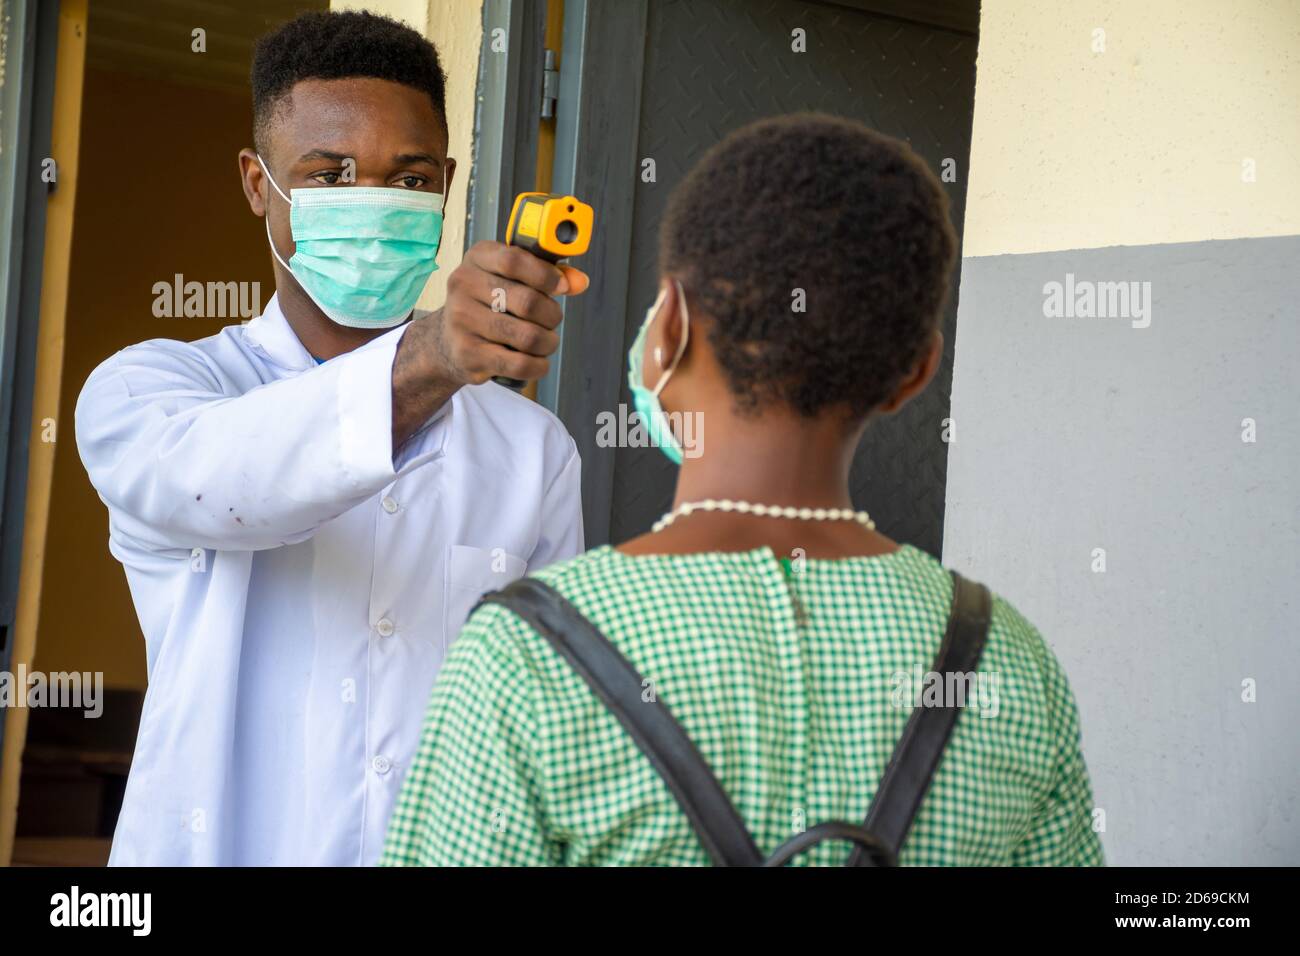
column 507, row 114
column 27, row 116
column 596, row 138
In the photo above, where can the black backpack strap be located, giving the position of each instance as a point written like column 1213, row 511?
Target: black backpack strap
column 916, row 757
column 619, row 686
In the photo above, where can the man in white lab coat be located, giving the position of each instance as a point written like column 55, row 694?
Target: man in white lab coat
column 307, row 507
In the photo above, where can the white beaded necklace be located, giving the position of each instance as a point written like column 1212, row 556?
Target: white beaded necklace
column 770, row 511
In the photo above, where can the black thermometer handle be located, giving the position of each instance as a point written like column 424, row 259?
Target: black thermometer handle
column 515, row 383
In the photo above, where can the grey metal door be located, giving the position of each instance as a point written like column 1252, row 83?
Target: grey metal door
column 665, row 79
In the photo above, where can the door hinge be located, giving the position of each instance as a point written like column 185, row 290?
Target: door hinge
column 550, row 85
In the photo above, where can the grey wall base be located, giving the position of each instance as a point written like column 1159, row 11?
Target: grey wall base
column 1077, row 434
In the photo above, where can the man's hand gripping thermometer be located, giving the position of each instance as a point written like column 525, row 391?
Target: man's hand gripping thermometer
column 551, row 227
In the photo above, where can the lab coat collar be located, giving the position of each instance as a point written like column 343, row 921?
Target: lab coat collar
column 271, row 335
column 275, row 340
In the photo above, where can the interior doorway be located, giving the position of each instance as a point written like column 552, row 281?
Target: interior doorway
column 162, row 118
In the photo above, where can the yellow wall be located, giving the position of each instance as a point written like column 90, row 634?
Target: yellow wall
column 1143, row 143
column 456, row 28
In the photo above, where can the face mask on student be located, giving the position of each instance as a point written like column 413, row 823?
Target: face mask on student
column 362, row 253
column 645, row 399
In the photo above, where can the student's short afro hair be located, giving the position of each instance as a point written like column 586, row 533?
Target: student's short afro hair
column 817, row 203
column 332, row 46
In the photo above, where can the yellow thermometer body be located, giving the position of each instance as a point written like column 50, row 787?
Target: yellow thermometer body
column 551, row 227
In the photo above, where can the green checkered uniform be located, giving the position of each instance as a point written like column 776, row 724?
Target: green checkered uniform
column 794, row 685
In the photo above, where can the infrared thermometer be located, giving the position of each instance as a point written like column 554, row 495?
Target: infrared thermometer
column 551, row 227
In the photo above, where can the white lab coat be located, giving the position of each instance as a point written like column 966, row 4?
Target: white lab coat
column 296, row 583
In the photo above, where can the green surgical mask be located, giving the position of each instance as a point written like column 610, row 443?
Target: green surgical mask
column 362, row 253
column 646, row 400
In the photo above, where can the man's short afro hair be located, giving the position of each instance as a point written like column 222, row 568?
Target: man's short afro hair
column 817, row 203
column 332, row 46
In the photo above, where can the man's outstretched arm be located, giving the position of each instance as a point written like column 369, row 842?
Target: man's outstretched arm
column 499, row 320
column 182, row 464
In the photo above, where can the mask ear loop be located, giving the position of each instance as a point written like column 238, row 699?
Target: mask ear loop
column 443, row 212
column 271, row 179
column 681, row 346
column 267, row 218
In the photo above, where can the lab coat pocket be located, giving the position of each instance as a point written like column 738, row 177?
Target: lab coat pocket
column 471, row 573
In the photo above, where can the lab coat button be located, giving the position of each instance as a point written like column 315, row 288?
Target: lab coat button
column 381, row 764
column 389, row 504
column 384, row 627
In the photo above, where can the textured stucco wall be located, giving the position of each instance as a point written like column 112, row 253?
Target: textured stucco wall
column 1075, row 434
column 1143, row 143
